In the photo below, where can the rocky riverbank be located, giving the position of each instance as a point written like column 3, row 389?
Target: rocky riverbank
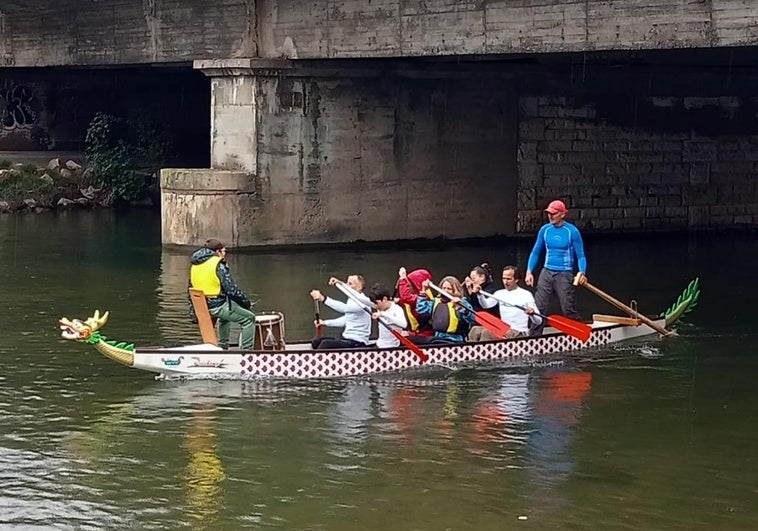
column 60, row 184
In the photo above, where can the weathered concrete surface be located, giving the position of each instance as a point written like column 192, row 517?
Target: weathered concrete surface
column 384, row 160
column 348, row 158
column 421, row 153
column 410, row 147
column 124, row 32
column 75, row 32
column 201, row 204
column 233, row 123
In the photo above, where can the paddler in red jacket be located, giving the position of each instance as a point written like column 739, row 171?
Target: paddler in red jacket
column 408, row 289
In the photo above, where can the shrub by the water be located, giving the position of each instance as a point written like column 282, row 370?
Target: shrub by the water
column 123, row 157
column 125, row 154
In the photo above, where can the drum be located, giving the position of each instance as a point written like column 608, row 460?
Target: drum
column 269, row 331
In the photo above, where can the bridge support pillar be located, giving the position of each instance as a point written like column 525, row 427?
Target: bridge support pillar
column 197, row 204
column 346, row 151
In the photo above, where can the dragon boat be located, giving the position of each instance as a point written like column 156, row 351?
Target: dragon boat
column 274, row 358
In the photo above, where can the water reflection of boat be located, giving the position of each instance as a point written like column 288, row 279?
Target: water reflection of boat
column 215, row 433
column 191, row 413
column 550, row 455
column 298, row 361
column 498, row 415
column 204, row 473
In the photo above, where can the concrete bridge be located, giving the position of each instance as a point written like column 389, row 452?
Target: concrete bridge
column 398, row 119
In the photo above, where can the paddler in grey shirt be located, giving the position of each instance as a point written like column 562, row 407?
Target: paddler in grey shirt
column 355, row 320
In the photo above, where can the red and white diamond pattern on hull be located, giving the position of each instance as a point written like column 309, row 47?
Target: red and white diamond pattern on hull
column 328, row 364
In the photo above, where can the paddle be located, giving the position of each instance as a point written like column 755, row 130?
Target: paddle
column 571, row 327
column 487, row 320
column 618, row 304
column 318, row 318
column 420, row 354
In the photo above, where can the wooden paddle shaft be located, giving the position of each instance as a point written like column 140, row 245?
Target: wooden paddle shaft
column 618, row 304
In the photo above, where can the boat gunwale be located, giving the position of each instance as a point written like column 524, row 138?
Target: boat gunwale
column 158, row 350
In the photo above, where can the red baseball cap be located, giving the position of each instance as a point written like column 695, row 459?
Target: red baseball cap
column 556, row 206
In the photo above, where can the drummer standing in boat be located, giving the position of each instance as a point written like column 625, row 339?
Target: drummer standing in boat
column 226, row 301
column 564, row 249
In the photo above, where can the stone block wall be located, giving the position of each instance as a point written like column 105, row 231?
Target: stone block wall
column 661, row 171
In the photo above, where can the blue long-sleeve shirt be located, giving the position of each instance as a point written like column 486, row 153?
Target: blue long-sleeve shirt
column 562, row 245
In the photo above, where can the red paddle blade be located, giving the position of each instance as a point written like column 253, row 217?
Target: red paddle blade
column 576, row 329
column 410, row 345
column 492, row 323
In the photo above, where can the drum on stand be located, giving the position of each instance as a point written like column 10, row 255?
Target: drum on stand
column 269, row 331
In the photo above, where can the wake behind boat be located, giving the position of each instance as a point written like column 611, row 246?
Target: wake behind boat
column 272, row 358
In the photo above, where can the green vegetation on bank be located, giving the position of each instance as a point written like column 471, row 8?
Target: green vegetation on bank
column 123, row 157
column 125, row 154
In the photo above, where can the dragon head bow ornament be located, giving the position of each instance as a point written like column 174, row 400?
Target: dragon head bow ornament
column 83, row 330
column 88, row 332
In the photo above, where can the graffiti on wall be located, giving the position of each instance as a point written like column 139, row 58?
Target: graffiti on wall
column 18, row 106
column 19, row 118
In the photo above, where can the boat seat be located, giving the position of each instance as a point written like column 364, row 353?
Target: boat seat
column 629, row 321
column 205, row 321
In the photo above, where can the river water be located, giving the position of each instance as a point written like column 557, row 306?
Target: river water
column 655, row 434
